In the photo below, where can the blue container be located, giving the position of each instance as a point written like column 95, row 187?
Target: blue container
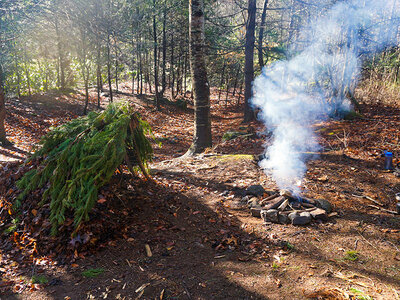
column 388, row 161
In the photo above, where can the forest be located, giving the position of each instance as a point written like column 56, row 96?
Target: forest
column 200, row 149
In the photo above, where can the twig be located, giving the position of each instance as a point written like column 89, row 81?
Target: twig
column 368, row 198
column 186, row 290
column 376, row 202
column 383, row 209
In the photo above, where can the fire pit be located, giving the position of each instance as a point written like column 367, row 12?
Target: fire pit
column 284, row 208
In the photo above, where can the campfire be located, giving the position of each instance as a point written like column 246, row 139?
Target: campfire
column 284, row 207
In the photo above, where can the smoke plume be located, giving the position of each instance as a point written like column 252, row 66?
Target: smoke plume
column 324, row 66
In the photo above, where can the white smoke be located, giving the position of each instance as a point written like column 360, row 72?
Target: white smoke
column 324, row 65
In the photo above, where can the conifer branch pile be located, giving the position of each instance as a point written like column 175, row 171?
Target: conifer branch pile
column 79, row 157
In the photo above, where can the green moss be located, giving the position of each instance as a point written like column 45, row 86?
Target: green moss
column 351, row 255
column 352, row 115
column 40, row 279
column 13, row 227
column 90, row 273
column 229, row 157
column 230, row 135
column 360, row 295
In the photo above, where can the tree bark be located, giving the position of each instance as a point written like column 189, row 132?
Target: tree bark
column 261, row 35
column 155, row 59
column 18, row 76
column 109, row 68
column 27, row 75
column 171, row 68
column 236, row 81
column 249, row 60
column 221, row 81
column 116, row 69
column 3, row 136
column 98, row 75
column 164, row 53
column 202, row 124
column 61, row 57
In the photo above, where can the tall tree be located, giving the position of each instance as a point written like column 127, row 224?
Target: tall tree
column 3, row 137
column 155, row 57
column 261, row 35
column 202, row 123
column 249, row 60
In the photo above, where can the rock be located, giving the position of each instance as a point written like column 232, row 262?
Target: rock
column 238, row 204
column 270, row 215
column 319, row 214
column 324, row 204
column 302, row 218
column 292, row 215
column 396, row 171
column 253, row 202
column 245, row 199
column 256, row 211
column 255, row 190
column 283, row 219
column 224, row 193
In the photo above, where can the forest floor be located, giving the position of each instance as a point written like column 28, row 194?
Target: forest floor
column 204, row 242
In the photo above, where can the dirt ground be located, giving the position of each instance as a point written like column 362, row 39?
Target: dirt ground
column 203, row 240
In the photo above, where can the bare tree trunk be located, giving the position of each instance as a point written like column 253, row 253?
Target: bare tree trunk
column 141, row 71
column 98, row 74
column 202, row 125
column 86, row 93
column 46, row 87
column 28, row 77
column 171, row 69
column 228, row 82
column 184, row 75
column 164, row 53
column 61, row 57
column 240, row 93
column 261, row 35
column 18, row 77
column 155, row 58
column 3, row 137
column 249, row 60
column 109, row 68
column 221, row 81
column 236, row 81
column 178, row 72
column 58, row 73
column 116, row 69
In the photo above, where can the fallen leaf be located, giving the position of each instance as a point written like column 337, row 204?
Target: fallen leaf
column 142, row 287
